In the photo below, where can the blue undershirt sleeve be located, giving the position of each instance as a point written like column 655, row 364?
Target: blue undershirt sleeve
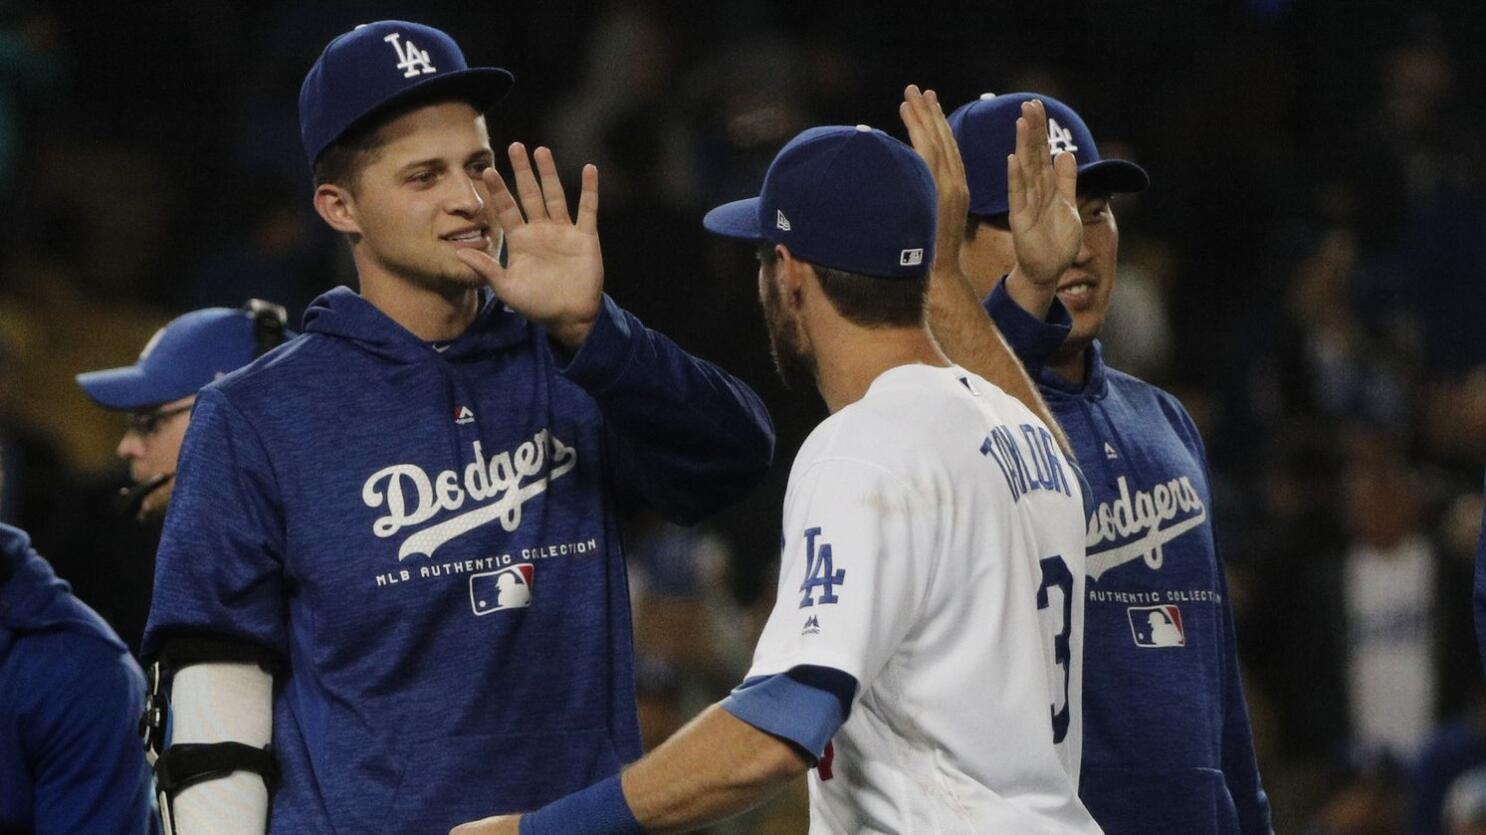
column 806, row 705
column 1033, row 340
column 686, row 438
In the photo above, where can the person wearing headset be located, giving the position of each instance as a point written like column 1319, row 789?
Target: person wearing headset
column 157, row 392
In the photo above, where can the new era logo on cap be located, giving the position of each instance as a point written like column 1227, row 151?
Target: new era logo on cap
column 852, row 199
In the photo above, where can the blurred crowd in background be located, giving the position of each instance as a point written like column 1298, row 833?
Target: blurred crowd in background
column 1307, row 273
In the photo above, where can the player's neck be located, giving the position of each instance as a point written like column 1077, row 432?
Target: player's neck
column 1074, row 367
column 429, row 314
column 848, row 358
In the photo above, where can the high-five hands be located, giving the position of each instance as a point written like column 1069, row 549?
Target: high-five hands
column 554, row 273
column 931, row 137
column 1046, row 230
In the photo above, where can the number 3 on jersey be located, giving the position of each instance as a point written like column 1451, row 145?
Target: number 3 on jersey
column 1055, row 575
column 820, row 572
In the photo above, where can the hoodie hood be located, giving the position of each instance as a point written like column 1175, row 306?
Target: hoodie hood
column 344, row 314
column 34, row 599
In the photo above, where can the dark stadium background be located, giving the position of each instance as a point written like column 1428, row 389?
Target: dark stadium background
column 1307, row 272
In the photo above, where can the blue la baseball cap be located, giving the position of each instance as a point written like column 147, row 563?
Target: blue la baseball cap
column 848, row 198
column 986, row 132
column 189, row 352
column 379, row 64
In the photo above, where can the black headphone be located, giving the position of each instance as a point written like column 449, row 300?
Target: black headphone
column 270, row 322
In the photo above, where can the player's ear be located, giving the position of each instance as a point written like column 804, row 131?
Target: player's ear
column 791, row 275
column 337, row 207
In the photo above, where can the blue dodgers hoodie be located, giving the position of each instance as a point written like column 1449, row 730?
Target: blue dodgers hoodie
column 70, row 700
column 1167, row 744
column 430, row 535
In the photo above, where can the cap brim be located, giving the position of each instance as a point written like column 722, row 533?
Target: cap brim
column 127, row 388
column 738, row 219
column 482, row 87
column 1112, row 176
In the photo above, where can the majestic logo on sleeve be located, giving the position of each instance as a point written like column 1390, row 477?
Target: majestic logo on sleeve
column 506, row 482
column 1139, row 525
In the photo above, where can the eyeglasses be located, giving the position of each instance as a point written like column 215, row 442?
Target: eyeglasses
column 146, row 424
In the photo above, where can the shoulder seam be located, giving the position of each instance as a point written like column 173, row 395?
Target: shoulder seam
column 257, row 437
column 846, row 459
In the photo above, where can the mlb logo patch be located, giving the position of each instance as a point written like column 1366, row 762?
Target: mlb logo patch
column 497, row 591
column 1157, row 626
column 910, row 257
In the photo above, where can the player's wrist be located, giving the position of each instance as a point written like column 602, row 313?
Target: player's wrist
column 570, row 335
column 599, row 809
column 1031, row 294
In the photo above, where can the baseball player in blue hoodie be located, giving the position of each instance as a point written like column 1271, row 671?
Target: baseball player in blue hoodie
column 391, row 591
column 1167, row 745
column 69, row 705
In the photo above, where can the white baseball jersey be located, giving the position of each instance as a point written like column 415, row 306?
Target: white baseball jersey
column 934, row 551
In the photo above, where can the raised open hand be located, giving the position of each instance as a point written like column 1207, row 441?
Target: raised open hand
column 554, row 273
column 929, row 133
column 1042, row 195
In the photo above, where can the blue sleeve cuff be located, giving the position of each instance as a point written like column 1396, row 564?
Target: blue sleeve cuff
column 1033, row 340
column 606, row 351
column 785, row 705
column 599, row 809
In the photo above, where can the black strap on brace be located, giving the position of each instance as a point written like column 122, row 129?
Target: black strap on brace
column 184, row 764
column 188, row 763
column 178, row 651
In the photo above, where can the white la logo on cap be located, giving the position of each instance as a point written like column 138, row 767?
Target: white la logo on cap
column 911, row 257
column 1059, row 138
column 411, row 59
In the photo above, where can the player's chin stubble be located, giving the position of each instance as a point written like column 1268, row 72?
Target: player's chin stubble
column 451, row 280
